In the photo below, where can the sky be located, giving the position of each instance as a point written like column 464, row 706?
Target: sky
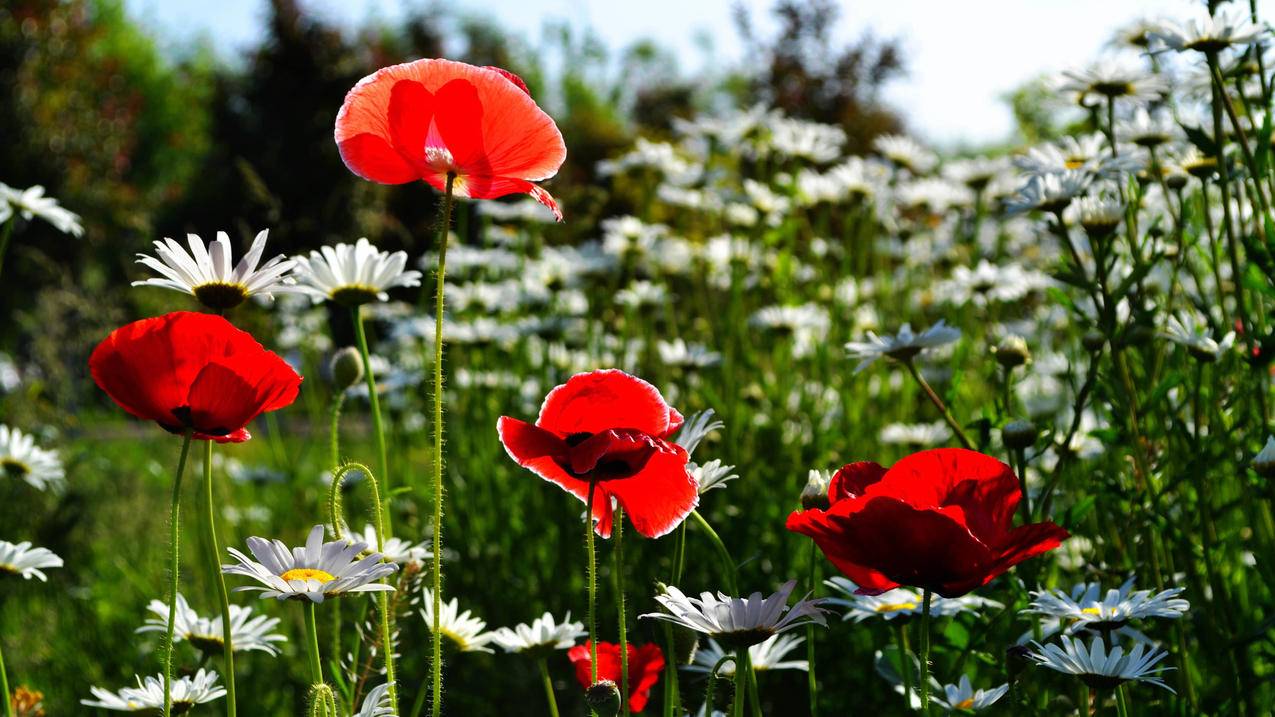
column 962, row 55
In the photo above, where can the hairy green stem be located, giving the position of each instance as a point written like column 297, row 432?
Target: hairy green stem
column 905, row 662
column 312, row 644
column 741, row 683
column 223, row 596
column 925, row 653
column 4, row 688
column 436, row 635
column 617, row 529
column 174, row 554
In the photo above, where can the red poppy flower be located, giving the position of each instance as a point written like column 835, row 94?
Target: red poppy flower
column 938, row 520
column 193, row 371
column 610, row 428
column 645, row 664
column 428, row 118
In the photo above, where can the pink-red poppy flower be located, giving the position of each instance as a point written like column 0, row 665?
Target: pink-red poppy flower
column 192, row 371
column 645, row 664
column 940, row 520
column 431, row 118
column 612, row 429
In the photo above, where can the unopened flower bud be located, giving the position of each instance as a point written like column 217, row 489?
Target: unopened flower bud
column 347, row 368
column 1019, row 434
column 815, row 495
column 1264, row 462
column 604, row 698
column 1012, row 352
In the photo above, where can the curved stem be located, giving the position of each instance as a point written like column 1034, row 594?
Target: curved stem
column 712, row 681
column 618, row 531
column 544, row 675
column 174, row 516
column 925, row 654
column 436, row 635
column 312, row 644
column 223, row 596
column 938, row 403
column 334, row 438
column 727, row 561
column 378, row 427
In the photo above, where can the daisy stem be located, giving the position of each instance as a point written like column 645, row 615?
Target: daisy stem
column 4, row 688
column 378, row 427
column 1122, row 706
column 6, row 233
column 925, row 653
column 544, row 675
column 741, row 684
column 436, row 635
column 1224, row 184
column 905, row 662
column 312, row 644
column 727, row 562
column 618, row 529
column 210, row 527
column 938, row 403
column 174, row 516
column 593, row 586
column 752, row 684
column 813, row 568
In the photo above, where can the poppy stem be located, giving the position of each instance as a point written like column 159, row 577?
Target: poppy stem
column 925, row 653
column 618, row 530
column 544, row 675
column 312, row 644
column 174, row 516
column 938, row 403
column 905, row 662
column 593, row 585
column 210, row 527
column 811, row 682
column 436, row 635
column 727, row 561
column 378, row 427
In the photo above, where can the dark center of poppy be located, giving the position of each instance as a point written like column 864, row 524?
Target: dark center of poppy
column 619, row 462
column 186, row 420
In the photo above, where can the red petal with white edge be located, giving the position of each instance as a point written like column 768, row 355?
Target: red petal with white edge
column 659, row 497
column 599, row 400
column 534, row 449
column 852, row 479
column 509, row 76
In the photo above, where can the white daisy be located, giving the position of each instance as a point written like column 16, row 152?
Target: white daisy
column 1049, row 192
column 903, row 346
column 544, row 634
column 21, row 458
column 207, row 274
column 1148, row 130
column 915, row 434
column 963, row 697
column 710, row 475
column 1114, row 77
column 1198, row 343
column 1088, row 607
column 1229, row 26
column 247, row 631
column 905, row 152
column 462, row 628
column 695, row 429
column 738, row 622
column 353, row 274
column 1101, row 669
column 396, row 550
column 32, row 202
column 148, row 696
column 315, row 572
column 679, row 353
column 22, row 559
column 899, row 603
column 377, row 703
column 766, row 655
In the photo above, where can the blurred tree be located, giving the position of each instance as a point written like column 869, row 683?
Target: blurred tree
column 804, row 74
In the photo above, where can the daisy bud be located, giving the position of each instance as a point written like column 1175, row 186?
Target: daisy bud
column 347, row 368
column 604, row 698
column 1264, row 462
column 1012, row 352
column 1100, row 216
column 1093, row 341
column 1019, row 434
column 815, row 495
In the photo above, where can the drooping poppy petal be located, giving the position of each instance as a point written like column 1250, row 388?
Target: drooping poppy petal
column 191, row 371
column 660, row 497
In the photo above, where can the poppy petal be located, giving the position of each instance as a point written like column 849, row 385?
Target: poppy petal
column 221, row 401
column 531, row 448
column 596, row 401
column 646, row 662
column 1027, row 541
column 926, row 479
column 815, row 524
column 614, row 454
column 509, row 76
column 460, row 125
column 853, row 479
column 372, row 158
column 659, row 497
column 410, row 111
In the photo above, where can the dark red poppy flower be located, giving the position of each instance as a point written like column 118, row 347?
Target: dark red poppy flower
column 938, row 520
column 612, row 429
column 430, row 118
column 645, row 664
column 194, row 371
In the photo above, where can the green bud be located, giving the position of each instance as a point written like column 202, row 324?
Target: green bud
column 604, row 698
column 347, row 368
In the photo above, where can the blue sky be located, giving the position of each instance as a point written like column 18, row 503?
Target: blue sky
column 962, row 54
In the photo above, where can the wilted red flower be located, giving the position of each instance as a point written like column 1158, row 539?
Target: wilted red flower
column 428, row 118
column 610, row 428
column 938, row 520
column 195, row 371
column 645, row 664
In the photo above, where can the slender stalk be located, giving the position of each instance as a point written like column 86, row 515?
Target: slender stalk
column 925, row 654
column 618, row 532
column 727, row 562
column 4, row 688
column 334, row 437
column 741, row 682
column 174, row 553
column 6, row 233
column 548, row 682
column 938, row 403
column 672, row 689
column 811, row 682
column 378, row 426
column 593, row 584
column 905, row 662
column 312, row 644
column 755, row 702
column 1224, row 184
column 436, row 635
column 1122, row 705
column 223, row 596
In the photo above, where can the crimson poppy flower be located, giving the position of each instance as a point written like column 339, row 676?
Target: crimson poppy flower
column 192, row 371
column 430, row 118
column 939, row 520
column 645, row 664
column 612, row 429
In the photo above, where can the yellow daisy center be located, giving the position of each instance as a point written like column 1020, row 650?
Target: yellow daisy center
column 896, row 606
column 964, row 704
column 1092, row 610
column 308, row 574
column 1074, row 162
